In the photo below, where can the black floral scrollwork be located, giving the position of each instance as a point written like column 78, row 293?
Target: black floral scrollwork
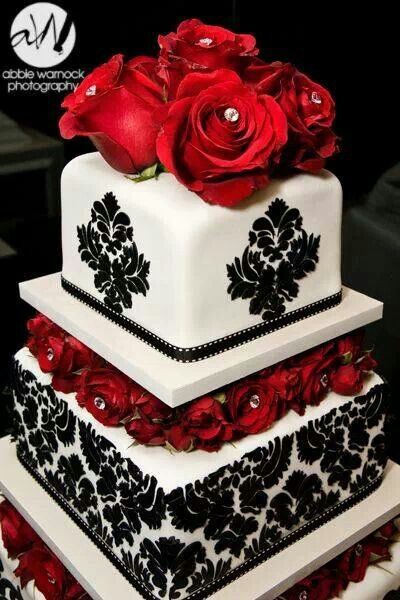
column 279, row 254
column 106, row 244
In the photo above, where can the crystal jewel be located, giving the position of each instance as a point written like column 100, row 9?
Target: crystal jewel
column 99, row 403
column 303, row 595
column 50, row 354
column 316, row 98
column 255, row 401
column 91, row 91
column 324, row 380
column 231, row 114
column 358, row 549
column 205, row 41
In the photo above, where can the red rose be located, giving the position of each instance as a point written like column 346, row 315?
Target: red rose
column 323, row 584
column 117, row 107
column 74, row 590
column 202, row 423
column 253, row 406
column 220, row 138
column 40, row 327
column 287, row 384
column 314, row 369
column 45, row 569
column 349, row 346
column 309, row 108
column 354, row 562
column 347, row 380
column 196, row 46
column 205, row 420
column 179, row 438
column 151, row 407
column 146, row 432
column 18, row 536
column 106, row 394
column 388, row 530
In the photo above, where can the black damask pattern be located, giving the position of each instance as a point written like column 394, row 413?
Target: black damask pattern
column 9, row 590
column 177, row 543
column 279, row 254
column 106, row 244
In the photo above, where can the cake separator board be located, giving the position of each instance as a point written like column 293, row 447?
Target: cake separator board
column 265, row 582
column 174, row 382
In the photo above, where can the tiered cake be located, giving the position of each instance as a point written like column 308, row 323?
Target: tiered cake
column 207, row 257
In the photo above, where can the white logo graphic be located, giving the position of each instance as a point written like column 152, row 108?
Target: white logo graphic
column 42, row 34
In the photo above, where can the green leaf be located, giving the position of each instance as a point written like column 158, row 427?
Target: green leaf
column 151, row 172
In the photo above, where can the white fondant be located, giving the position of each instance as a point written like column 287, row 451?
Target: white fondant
column 177, row 469
column 189, row 244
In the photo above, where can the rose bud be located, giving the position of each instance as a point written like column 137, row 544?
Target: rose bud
column 18, row 536
column 309, row 109
column 106, row 394
column 117, row 107
column 347, row 380
column 146, row 432
column 253, row 407
column 220, row 138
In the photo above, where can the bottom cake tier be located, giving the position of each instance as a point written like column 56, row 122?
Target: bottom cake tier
column 184, row 525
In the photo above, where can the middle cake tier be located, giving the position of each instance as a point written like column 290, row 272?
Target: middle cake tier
column 184, row 525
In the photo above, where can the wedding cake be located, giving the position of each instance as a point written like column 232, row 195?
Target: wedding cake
column 204, row 222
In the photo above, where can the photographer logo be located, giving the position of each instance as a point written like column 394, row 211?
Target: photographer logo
column 42, row 35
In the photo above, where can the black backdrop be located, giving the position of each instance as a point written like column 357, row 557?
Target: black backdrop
column 352, row 51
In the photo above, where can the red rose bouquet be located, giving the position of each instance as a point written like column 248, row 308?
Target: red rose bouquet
column 208, row 110
column 248, row 406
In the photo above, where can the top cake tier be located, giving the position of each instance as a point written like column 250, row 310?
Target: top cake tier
column 193, row 279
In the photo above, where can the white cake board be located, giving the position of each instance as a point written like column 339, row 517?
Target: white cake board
column 174, row 382
column 103, row 582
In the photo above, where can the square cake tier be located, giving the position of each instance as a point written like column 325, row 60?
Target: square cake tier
column 182, row 525
column 193, row 279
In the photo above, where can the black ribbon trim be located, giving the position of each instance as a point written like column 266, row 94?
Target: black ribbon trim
column 218, row 346
column 235, row 573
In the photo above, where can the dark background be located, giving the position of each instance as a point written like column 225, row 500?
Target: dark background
column 354, row 55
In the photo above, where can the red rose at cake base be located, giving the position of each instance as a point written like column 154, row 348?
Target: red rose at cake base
column 106, row 394
column 45, row 569
column 117, row 107
column 354, row 562
column 252, row 406
column 220, row 138
column 18, row 536
column 309, row 109
column 323, row 584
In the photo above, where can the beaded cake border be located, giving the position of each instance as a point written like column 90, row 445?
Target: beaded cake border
column 203, row 351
